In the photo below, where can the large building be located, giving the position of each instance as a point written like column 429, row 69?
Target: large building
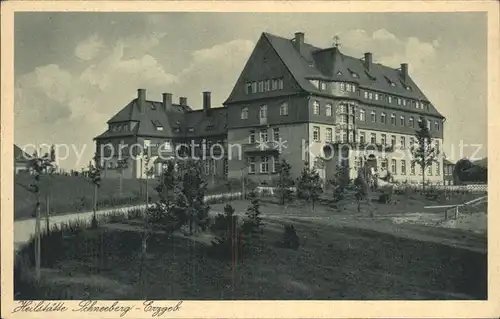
column 301, row 103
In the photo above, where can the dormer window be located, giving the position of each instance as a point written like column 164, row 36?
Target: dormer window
column 177, row 123
column 408, row 88
column 323, row 86
column 157, row 125
column 176, row 129
column 339, row 73
column 315, row 83
column 191, row 129
column 354, row 75
column 209, row 128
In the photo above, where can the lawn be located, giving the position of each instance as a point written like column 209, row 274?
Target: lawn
column 75, row 194
column 335, row 261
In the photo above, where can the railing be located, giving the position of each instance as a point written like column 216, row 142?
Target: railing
column 456, row 207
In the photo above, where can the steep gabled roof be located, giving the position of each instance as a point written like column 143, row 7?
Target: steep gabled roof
column 331, row 64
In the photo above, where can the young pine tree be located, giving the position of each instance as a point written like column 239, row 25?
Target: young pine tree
column 423, row 151
column 309, row 185
column 252, row 223
column 285, row 182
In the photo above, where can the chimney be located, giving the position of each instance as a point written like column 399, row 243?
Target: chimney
column 167, row 101
column 183, row 101
column 206, row 103
column 299, row 41
column 368, row 60
column 141, row 100
column 404, row 71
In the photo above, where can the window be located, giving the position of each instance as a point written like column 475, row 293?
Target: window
column 373, row 138
column 280, row 84
column 404, row 102
column 402, row 121
column 264, row 164
column 382, row 118
column 177, row 129
column 342, row 86
column 354, row 87
column 376, row 96
column 411, row 123
column 343, row 108
column 393, row 141
column 267, row 85
column 323, row 86
column 437, row 146
column 383, row 139
column 157, row 125
column 316, row 133
column 428, row 124
column 362, row 137
column 420, row 171
column 191, row 129
column 412, row 141
column 244, row 113
column 275, row 163
column 351, row 109
column 315, row 83
column 329, row 134
column 438, row 169
column 251, row 137
column 374, row 117
column 261, row 86
column 263, row 135
column 361, row 115
column 343, row 138
column 263, row 111
column 403, row 142
column 251, row 165
column 254, row 87
column 209, row 128
column 366, row 94
column 328, row 110
column 393, row 166
column 276, row 134
column 316, row 107
column 393, row 119
column 343, row 119
column 436, row 125
column 274, row 84
column 370, row 95
column 399, row 101
column 284, row 109
column 348, row 87
column 412, row 169
column 389, row 99
column 248, row 88
column 383, row 163
column 403, row 167
column 429, row 170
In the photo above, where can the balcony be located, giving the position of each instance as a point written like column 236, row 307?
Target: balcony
column 261, row 147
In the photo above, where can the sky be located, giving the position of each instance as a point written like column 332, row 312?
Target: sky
column 75, row 70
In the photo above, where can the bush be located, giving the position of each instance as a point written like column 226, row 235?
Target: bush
column 386, row 196
column 290, row 238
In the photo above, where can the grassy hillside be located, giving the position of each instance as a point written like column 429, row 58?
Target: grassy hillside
column 75, row 193
column 72, row 194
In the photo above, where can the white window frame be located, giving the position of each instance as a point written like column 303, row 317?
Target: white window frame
column 244, row 113
column 251, row 165
column 251, row 137
column 328, row 109
column 263, row 136
column 373, row 117
column 264, row 164
column 316, row 108
column 328, row 134
column 316, row 133
column 276, row 134
column 284, row 109
column 394, row 166
column 263, row 111
column 362, row 115
column 403, row 167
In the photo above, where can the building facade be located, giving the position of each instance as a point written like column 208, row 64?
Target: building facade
column 292, row 101
column 321, row 103
column 146, row 134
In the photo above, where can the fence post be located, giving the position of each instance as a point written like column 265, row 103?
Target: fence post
column 456, row 212
column 446, row 214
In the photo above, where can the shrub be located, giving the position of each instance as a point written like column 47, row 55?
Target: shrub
column 290, row 238
column 386, row 196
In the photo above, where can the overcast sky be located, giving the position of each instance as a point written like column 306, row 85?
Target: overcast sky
column 73, row 71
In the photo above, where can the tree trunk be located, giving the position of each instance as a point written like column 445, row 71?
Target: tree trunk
column 47, row 213
column 423, row 179
column 95, row 204
column 37, row 240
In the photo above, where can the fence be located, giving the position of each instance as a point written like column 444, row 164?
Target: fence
column 473, row 188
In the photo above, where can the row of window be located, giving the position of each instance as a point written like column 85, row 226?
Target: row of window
column 264, row 86
column 390, row 99
column 263, row 164
column 263, row 111
column 403, row 167
column 361, row 138
column 263, row 135
column 344, row 86
column 402, row 120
